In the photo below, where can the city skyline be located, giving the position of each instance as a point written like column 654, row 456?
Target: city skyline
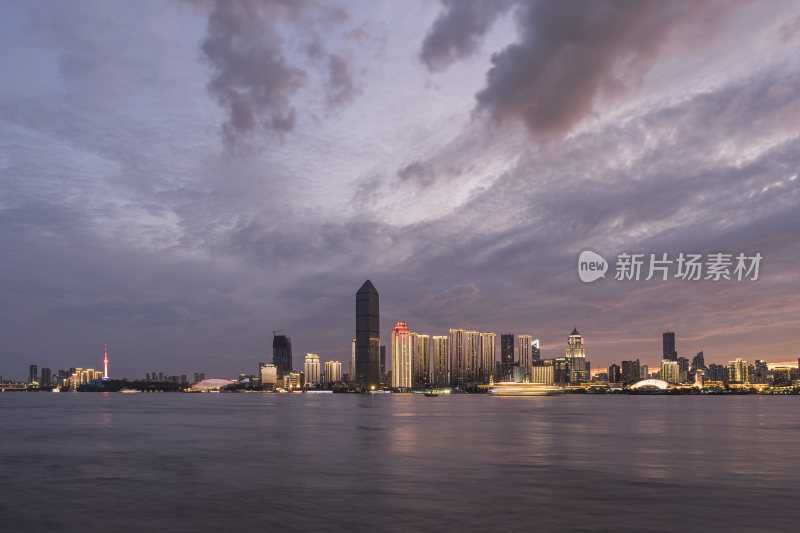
column 427, row 348
column 179, row 197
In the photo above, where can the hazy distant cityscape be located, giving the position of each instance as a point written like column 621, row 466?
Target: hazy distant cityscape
column 461, row 361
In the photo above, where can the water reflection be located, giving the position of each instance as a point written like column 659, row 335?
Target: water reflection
column 400, row 462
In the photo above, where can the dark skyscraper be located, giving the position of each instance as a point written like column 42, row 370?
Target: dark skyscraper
column 368, row 336
column 507, row 355
column 282, row 354
column 33, row 374
column 669, row 346
column 630, row 371
column 699, row 362
column 614, row 374
column 46, row 377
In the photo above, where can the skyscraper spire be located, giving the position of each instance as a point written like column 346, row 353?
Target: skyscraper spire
column 105, row 364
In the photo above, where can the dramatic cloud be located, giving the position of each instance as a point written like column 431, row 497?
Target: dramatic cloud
column 457, row 32
column 570, row 54
column 255, row 78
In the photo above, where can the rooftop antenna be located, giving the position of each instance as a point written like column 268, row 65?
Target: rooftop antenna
column 275, row 331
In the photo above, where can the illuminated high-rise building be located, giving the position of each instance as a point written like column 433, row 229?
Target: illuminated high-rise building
column 420, row 360
column 488, row 357
column 282, row 354
column 402, row 348
column 368, row 336
column 670, row 372
column 737, row 372
column 542, row 372
column 536, row 352
column 441, row 356
column 333, row 371
column 668, row 346
column 507, row 355
column 292, row 380
column 525, row 343
column 576, row 358
column 268, row 372
column 311, row 369
column 464, row 356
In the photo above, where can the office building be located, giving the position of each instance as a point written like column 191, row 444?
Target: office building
column 536, row 352
column 33, row 374
column 668, row 346
column 717, row 372
column 698, row 362
column 401, row 356
column 45, row 378
column 293, row 380
column 507, row 355
column 760, row 372
column 782, row 376
column 268, row 373
column 542, row 372
column 576, row 358
column 614, row 374
column 440, row 357
column 282, row 354
column 670, row 371
column 560, row 370
column 631, row 372
column 683, row 369
column 525, row 344
column 333, row 372
column 368, row 336
column 311, row 370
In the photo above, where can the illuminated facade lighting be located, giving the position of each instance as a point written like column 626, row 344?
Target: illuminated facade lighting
column 402, row 349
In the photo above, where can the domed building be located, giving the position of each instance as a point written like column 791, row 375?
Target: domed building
column 212, row 384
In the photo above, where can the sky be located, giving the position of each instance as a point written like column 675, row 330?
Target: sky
column 178, row 179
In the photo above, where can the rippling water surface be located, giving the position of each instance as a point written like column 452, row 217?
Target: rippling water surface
column 177, row 462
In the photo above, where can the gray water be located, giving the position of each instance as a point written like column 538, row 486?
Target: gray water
column 238, row 462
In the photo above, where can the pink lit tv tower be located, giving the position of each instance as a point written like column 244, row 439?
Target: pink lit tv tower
column 105, row 364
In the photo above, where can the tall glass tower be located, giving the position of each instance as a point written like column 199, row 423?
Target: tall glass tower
column 282, row 354
column 668, row 344
column 507, row 355
column 368, row 336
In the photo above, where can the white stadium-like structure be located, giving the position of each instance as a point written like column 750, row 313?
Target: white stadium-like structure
column 654, row 383
column 212, row 384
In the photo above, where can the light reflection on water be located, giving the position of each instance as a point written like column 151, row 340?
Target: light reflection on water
column 398, row 462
